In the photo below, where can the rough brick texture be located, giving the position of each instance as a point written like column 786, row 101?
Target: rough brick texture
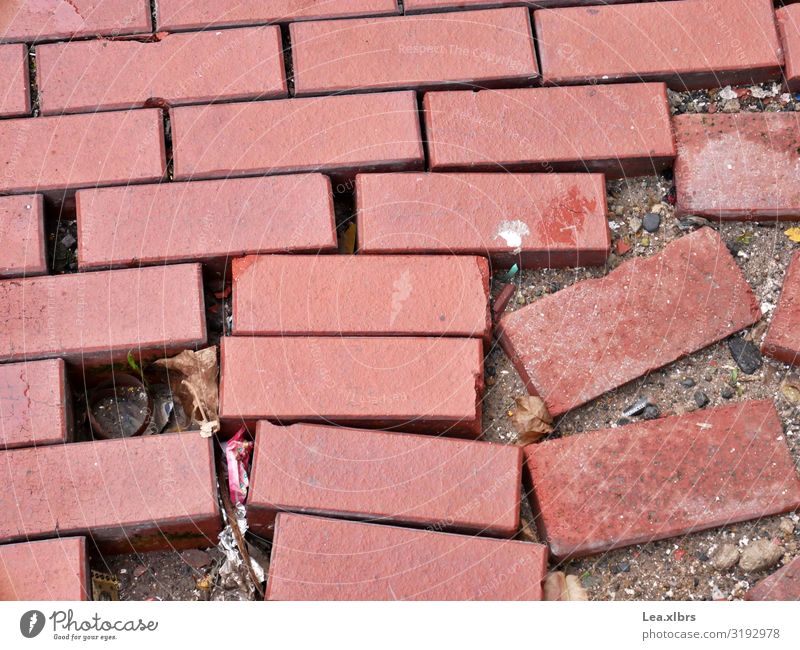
column 174, row 15
column 414, row 384
column 784, row 584
column 415, row 6
column 35, row 404
column 576, row 344
column 68, row 152
column 788, row 18
column 345, row 134
column 326, row 559
column 43, row 20
column 208, row 221
column 22, row 236
column 199, row 68
column 15, row 92
column 535, row 220
column 52, row 569
column 621, row 129
column 738, row 166
column 360, row 295
column 676, row 42
column 479, row 48
column 100, row 317
column 143, row 493
column 783, row 337
column 436, row 483
column 606, row 489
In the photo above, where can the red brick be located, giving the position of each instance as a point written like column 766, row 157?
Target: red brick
column 35, row 404
column 176, row 15
column 330, row 134
column 145, row 493
column 416, row 6
column 679, row 42
column 479, row 48
column 536, row 220
column 326, row 559
column 52, row 569
column 209, row 221
column 783, row 337
column 357, row 295
column 22, row 236
column 100, row 317
column 437, row 483
column 50, row 20
column 788, row 18
column 574, row 345
column 738, row 166
column 621, row 129
column 415, row 384
column 784, row 584
column 15, row 91
column 68, row 152
column 198, row 68
column 607, row 489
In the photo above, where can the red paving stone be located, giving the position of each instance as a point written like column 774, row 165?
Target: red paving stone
column 175, row 15
column 355, row 295
column 784, row 584
column 145, row 493
column 52, row 569
column 596, row 335
column 49, row 20
column 738, row 166
column 15, row 92
column 69, row 152
column 788, row 18
column 783, row 336
column 436, row 483
column 415, row 6
column 535, row 220
column 478, row 48
column 598, row 491
column 330, row 134
column 326, row 559
column 207, row 221
column 430, row 385
column 22, row 236
column 621, row 129
column 231, row 64
column 676, row 42
column 100, row 317
column 35, row 404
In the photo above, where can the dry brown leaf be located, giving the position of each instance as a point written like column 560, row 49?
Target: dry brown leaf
column 193, row 378
column 790, row 389
column 558, row 586
column 793, row 234
column 532, row 420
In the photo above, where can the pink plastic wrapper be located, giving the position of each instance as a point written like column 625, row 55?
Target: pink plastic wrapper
column 237, row 455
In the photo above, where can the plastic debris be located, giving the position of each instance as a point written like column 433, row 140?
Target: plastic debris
column 237, row 455
column 104, row 586
column 234, row 579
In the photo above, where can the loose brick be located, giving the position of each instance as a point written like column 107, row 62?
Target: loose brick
column 357, row 295
column 574, row 345
column 194, row 68
column 100, row 317
column 69, row 152
column 535, row 220
column 479, row 48
column 437, row 483
column 52, row 20
column 784, row 584
column 35, row 404
column 650, row 480
column 788, row 19
column 326, row 559
column 783, row 337
column 738, row 166
column 621, row 129
column 15, row 91
column 143, row 493
column 676, row 42
column 209, row 221
column 414, row 384
column 52, row 569
column 330, row 134
column 22, row 236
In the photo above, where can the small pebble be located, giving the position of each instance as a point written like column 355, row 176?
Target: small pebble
column 622, row 567
column 759, row 555
column 651, row 222
column 726, row 557
column 727, row 392
column 745, row 353
column 787, row 526
column 623, row 421
column 651, row 412
column 688, row 383
column 636, row 408
column 701, row 399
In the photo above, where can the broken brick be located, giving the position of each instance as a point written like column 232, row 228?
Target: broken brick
column 22, row 236
column 15, row 91
column 782, row 341
column 51, row 569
